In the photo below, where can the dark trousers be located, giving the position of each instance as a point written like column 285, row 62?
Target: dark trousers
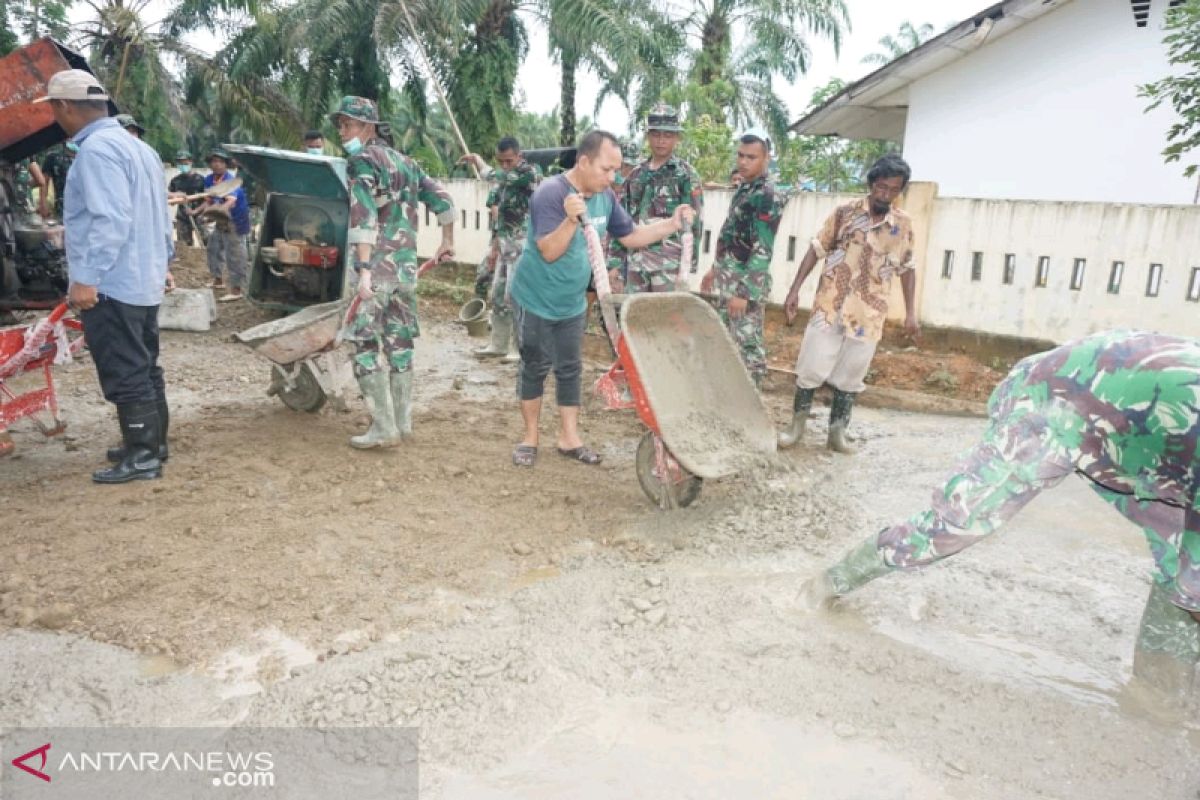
column 547, row 344
column 123, row 340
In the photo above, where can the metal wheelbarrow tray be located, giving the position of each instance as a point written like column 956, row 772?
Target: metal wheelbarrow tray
column 306, row 369
column 697, row 393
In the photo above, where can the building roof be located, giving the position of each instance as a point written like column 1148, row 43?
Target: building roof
column 876, row 106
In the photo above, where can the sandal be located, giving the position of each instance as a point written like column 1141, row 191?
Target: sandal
column 524, row 455
column 215, row 283
column 584, row 455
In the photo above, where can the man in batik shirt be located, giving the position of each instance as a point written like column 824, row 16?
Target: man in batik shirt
column 865, row 244
column 1121, row 409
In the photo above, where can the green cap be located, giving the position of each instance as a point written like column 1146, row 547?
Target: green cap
column 631, row 153
column 217, row 152
column 664, row 118
column 127, row 121
column 359, row 108
column 183, row 155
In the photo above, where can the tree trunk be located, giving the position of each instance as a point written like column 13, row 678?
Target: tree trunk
column 714, row 48
column 566, row 103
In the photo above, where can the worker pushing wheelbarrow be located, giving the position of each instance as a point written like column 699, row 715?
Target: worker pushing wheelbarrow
column 679, row 370
column 34, row 349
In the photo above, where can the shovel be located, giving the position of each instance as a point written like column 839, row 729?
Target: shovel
column 222, row 189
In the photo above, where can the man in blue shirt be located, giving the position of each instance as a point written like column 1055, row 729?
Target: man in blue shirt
column 550, row 284
column 227, row 243
column 118, row 242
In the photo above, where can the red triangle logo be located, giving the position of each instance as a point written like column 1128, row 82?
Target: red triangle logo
column 19, row 762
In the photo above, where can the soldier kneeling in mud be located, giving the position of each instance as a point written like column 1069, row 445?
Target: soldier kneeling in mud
column 1122, row 409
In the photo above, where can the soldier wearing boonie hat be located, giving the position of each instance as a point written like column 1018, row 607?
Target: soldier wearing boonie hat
column 385, row 187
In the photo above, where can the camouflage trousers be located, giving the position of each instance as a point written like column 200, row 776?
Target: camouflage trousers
column 652, row 270
column 1020, row 456
column 747, row 333
column 383, row 329
column 496, row 291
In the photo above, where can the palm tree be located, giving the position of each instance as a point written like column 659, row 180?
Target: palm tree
column 482, row 74
column 614, row 38
column 907, row 38
column 775, row 45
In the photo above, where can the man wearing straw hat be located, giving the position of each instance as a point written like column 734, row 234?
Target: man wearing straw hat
column 385, row 187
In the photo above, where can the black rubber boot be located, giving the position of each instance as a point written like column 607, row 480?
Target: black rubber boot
column 115, row 454
column 839, row 419
column 801, row 405
column 140, row 430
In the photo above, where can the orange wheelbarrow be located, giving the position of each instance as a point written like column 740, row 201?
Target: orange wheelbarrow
column 34, row 349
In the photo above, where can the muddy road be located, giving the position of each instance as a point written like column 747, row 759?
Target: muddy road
column 551, row 633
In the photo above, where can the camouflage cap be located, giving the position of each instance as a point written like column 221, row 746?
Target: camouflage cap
column 359, row 108
column 663, row 118
column 631, row 153
column 183, row 155
column 217, row 152
column 127, row 121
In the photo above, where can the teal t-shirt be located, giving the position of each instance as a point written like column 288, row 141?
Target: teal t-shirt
column 557, row 290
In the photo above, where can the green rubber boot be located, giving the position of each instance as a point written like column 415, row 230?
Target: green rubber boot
column 1168, row 646
column 801, row 405
column 383, row 431
column 839, row 419
column 402, row 386
column 502, row 328
column 858, row 567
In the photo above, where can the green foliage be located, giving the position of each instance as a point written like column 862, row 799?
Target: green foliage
column 907, row 39
column 483, row 73
column 828, row 163
column 708, row 146
column 1181, row 91
column 34, row 19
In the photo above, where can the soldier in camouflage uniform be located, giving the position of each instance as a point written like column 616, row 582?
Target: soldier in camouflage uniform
column 55, row 168
column 1122, row 409
column 28, row 175
column 513, row 183
column 741, row 273
column 651, row 192
column 385, row 187
column 618, row 263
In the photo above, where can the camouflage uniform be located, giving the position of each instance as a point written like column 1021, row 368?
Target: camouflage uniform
column 55, row 169
column 510, row 197
column 189, row 183
column 23, row 187
column 742, row 266
column 650, row 195
column 1120, row 408
column 385, row 187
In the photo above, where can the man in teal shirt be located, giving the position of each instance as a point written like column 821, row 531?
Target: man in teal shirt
column 550, row 285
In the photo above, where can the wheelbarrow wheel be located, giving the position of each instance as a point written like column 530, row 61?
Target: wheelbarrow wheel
column 664, row 492
column 306, row 395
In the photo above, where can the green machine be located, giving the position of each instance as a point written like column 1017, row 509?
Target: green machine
column 302, row 257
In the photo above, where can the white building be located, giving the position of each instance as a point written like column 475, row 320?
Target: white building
column 1029, row 99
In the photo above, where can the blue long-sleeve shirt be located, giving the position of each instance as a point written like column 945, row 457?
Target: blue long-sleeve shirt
column 118, row 232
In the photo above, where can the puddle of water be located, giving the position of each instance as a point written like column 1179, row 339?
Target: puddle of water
column 536, row 575
column 1008, row 661
column 157, row 666
column 239, row 669
column 631, row 748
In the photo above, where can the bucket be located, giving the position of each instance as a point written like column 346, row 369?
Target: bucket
column 473, row 314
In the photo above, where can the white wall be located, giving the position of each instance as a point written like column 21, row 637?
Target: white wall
column 802, row 217
column 1051, row 112
column 1099, row 233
